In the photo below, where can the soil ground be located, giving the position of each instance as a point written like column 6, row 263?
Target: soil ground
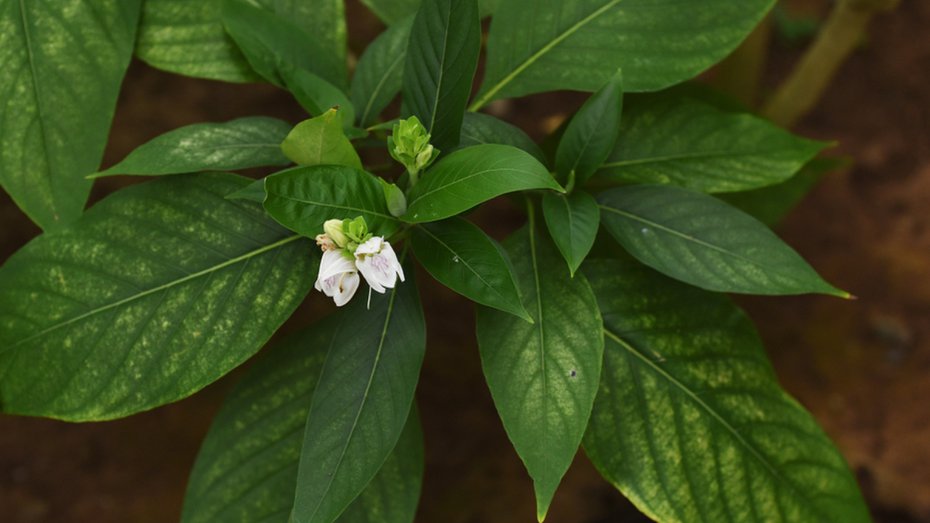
column 862, row 367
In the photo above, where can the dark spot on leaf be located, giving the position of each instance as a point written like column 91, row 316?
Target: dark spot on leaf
column 573, row 373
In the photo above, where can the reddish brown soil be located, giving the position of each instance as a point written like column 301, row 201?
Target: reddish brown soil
column 862, row 367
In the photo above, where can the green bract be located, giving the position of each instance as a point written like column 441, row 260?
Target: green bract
column 165, row 286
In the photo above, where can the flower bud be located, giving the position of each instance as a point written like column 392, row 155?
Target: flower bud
column 409, row 145
column 333, row 229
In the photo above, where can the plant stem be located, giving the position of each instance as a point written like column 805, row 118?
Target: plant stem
column 841, row 32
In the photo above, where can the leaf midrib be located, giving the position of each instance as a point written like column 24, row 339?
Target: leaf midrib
column 714, row 415
column 466, row 178
column 153, row 290
column 362, row 403
column 489, row 95
column 700, row 155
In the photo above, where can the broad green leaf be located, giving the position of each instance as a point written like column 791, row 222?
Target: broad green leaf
column 474, row 175
column 254, row 192
column 441, row 60
column 247, row 467
column 676, row 140
column 573, row 220
column 320, row 141
column 703, row 241
column 188, row 38
column 361, row 402
column 236, row 144
column 275, row 47
column 379, row 74
column 323, row 20
column 392, row 12
column 62, row 68
column 591, row 134
column 303, row 198
column 547, row 45
column 154, row 293
column 770, row 204
column 543, row 376
column 462, row 257
column 690, row 423
column 480, row 128
column 317, row 96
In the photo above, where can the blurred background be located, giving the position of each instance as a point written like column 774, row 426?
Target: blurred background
column 861, row 367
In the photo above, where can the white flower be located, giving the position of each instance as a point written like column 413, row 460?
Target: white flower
column 377, row 262
column 338, row 277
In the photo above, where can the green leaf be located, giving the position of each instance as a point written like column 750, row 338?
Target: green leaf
column 253, row 192
column 591, row 134
column 236, row 144
column 317, row 96
column 770, row 204
column 392, row 12
column 679, row 140
column 700, row 240
column 320, row 141
column 379, row 74
column 690, row 423
column 323, row 20
column 480, row 128
column 154, row 293
column 474, row 175
column 573, row 221
column 394, row 197
column 462, row 257
column 188, row 38
column 275, row 47
column 543, row 376
column 361, row 401
column 303, row 198
column 62, row 68
column 247, row 467
column 546, row 45
column 441, row 60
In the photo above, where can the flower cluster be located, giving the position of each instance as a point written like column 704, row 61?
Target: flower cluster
column 409, row 145
column 349, row 249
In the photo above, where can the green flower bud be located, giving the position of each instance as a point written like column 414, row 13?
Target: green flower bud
column 409, row 145
column 333, row 229
column 356, row 231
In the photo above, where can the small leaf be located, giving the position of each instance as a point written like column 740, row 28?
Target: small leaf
column 154, row 293
column 591, row 134
column 441, row 60
column 361, row 402
column 543, row 376
column 379, row 74
column 480, row 128
column 237, row 144
column 679, row 140
column 394, row 197
column 474, row 175
column 700, row 240
column 246, row 469
column 547, row 45
column 462, row 257
column 62, row 67
column 321, row 141
column 303, row 198
column 274, row 46
column 690, row 423
column 573, row 221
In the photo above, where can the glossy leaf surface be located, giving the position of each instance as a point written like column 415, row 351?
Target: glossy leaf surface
column 591, row 133
column 236, row 144
column 247, row 467
column 462, row 257
column 474, row 175
column 546, row 45
column 361, row 402
column 303, row 198
column 62, row 64
column 703, row 241
column 379, row 74
column 480, row 128
column 154, row 293
column 679, row 140
column 394, row 11
column 441, row 59
column 573, row 220
column 690, row 423
column 321, row 141
column 543, row 376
